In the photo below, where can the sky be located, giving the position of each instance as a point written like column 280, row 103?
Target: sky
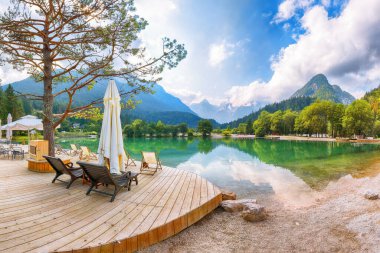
column 254, row 52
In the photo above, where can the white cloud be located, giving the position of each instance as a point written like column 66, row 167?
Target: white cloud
column 345, row 48
column 219, row 52
column 286, row 26
column 193, row 97
column 187, row 96
column 326, row 3
column 10, row 75
column 158, row 14
column 288, row 8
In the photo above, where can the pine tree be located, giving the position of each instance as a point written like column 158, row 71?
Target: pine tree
column 249, row 129
column 27, row 106
column 13, row 103
column 3, row 110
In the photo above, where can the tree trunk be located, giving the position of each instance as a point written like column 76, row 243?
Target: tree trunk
column 48, row 98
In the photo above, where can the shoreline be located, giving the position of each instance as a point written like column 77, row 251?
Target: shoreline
column 299, row 138
column 251, row 137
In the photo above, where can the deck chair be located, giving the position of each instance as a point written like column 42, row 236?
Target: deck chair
column 150, row 162
column 101, row 175
column 60, row 151
column 17, row 152
column 61, row 168
column 74, row 150
column 4, row 151
column 128, row 160
column 86, row 154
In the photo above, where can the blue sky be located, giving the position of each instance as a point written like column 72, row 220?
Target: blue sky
column 254, row 52
column 240, row 33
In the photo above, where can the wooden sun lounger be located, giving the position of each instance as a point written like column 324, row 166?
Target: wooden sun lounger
column 128, row 160
column 60, row 151
column 101, row 175
column 61, row 168
column 86, row 154
column 150, row 162
column 74, row 150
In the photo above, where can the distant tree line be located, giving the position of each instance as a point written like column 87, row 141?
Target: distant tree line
column 321, row 118
column 141, row 128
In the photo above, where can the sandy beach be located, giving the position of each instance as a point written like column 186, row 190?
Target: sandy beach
column 337, row 219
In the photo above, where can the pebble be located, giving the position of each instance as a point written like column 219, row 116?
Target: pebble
column 254, row 212
column 371, row 195
column 236, row 205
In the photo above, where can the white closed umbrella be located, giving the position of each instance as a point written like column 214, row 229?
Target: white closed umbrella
column 111, row 145
column 9, row 129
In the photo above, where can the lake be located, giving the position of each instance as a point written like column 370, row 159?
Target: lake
column 291, row 171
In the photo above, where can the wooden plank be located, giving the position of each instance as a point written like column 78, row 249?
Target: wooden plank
column 210, row 196
column 189, row 195
column 159, row 190
column 50, row 230
column 120, row 246
column 151, row 189
column 63, row 233
column 180, row 224
column 194, row 215
column 142, row 188
column 94, row 234
column 204, row 193
column 22, row 212
column 84, row 226
column 132, row 244
column 142, row 231
column 109, row 236
column 160, row 198
column 186, row 207
column 127, row 231
column 45, row 220
column 46, row 196
column 210, row 190
column 166, row 229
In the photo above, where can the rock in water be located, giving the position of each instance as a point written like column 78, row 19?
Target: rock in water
column 236, row 205
column 254, row 212
column 228, row 195
column 371, row 195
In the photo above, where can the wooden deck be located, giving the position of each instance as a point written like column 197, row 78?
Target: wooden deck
column 38, row 216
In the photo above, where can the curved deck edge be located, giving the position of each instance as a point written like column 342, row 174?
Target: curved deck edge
column 157, row 234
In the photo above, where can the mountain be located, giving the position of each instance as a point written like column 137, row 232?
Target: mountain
column 295, row 104
column 222, row 113
column 320, row 88
column 153, row 107
column 160, row 101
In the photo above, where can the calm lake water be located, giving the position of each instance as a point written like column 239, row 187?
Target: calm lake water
column 292, row 171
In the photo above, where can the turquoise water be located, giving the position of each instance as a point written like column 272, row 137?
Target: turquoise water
column 290, row 169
